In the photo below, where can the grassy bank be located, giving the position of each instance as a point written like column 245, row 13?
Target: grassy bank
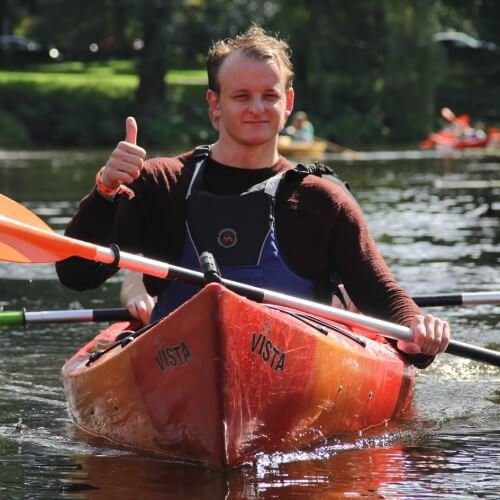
column 76, row 104
column 114, row 77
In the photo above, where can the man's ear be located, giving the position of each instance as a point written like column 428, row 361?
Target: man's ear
column 290, row 99
column 213, row 108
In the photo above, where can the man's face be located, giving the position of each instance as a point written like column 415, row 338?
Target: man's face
column 252, row 105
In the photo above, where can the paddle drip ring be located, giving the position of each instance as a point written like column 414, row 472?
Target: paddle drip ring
column 116, row 252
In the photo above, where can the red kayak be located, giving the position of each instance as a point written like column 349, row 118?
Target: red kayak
column 222, row 379
column 445, row 139
column 458, row 135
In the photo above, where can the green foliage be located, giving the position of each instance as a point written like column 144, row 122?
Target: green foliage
column 179, row 123
column 89, row 110
column 366, row 72
column 65, row 117
column 13, row 134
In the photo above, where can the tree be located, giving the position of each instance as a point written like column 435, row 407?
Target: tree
column 410, row 70
column 338, row 51
column 366, row 71
column 156, row 21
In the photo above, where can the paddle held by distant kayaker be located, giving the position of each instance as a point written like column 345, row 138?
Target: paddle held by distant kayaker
column 267, row 222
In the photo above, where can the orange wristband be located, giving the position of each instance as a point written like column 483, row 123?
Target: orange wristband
column 107, row 192
column 101, row 187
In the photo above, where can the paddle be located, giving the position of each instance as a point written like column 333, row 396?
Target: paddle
column 12, row 318
column 462, row 120
column 448, row 114
column 459, row 299
column 8, row 318
column 33, row 242
column 336, row 148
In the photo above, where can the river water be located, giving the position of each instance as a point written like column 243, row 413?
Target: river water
column 447, row 446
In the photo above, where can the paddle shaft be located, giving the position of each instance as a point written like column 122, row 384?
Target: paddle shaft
column 12, row 318
column 474, row 352
column 461, row 299
column 333, row 146
column 391, row 330
column 53, row 247
column 121, row 314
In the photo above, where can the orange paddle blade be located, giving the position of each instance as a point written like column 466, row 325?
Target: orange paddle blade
column 25, row 238
column 16, row 211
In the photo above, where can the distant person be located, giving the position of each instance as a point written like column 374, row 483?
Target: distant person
column 301, row 129
column 460, row 125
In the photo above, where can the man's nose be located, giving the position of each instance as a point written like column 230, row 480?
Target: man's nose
column 257, row 104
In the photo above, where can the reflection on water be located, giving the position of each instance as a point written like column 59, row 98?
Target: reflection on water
column 447, row 447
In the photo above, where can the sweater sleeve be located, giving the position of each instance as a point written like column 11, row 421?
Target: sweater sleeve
column 322, row 231
column 151, row 223
column 354, row 255
column 93, row 222
column 367, row 277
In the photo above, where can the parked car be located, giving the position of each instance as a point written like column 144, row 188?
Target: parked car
column 20, row 50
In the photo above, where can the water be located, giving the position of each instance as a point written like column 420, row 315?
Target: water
column 447, row 446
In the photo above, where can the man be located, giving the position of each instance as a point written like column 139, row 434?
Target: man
column 287, row 232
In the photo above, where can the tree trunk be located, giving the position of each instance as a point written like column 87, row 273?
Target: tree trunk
column 153, row 61
column 410, row 72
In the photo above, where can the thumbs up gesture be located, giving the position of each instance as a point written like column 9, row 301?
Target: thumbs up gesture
column 124, row 164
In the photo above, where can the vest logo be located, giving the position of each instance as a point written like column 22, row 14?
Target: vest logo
column 227, row 238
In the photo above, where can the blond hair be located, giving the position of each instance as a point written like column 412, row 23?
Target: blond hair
column 254, row 43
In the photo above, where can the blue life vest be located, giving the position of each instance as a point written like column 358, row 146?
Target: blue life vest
column 239, row 230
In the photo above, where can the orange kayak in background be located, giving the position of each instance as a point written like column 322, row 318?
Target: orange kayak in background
column 222, row 379
column 458, row 135
column 446, row 139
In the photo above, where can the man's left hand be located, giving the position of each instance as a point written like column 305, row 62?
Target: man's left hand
column 431, row 336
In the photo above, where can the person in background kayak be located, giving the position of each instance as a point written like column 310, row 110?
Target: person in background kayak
column 267, row 223
column 460, row 126
column 301, row 129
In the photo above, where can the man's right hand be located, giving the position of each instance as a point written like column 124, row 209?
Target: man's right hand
column 126, row 161
column 135, row 298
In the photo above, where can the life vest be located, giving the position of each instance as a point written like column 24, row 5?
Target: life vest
column 239, row 230
column 320, row 170
column 328, row 287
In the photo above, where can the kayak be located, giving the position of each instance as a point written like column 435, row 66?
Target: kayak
column 494, row 136
column 445, row 139
column 313, row 149
column 223, row 379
